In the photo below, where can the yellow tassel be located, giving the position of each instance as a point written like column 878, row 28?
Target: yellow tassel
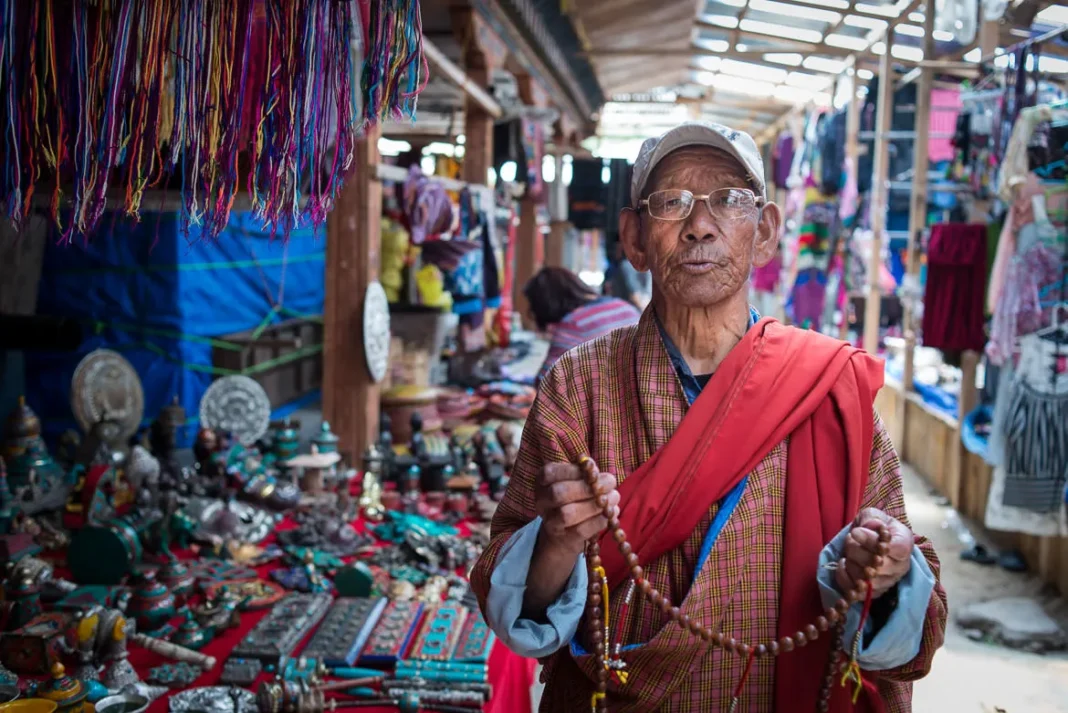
column 598, row 696
column 852, row 673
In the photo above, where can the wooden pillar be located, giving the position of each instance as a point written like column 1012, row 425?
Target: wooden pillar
column 529, row 248
column 918, row 208
column 555, row 252
column 852, row 153
column 969, row 360
column 482, row 52
column 879, row 198
column 527, row 252
column 917, row 225
column 350, row 396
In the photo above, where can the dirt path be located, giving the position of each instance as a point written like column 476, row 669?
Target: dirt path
column 971, row 677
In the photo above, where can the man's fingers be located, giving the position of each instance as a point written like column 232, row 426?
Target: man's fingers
column 606, row 482
column 590, row 528
column 855, row 572
column 873, row 516
column 577, row 513
column 857, row 553
column 567, row 491
column 842, row 579
column 559, row 472
column 901, row 542
column 866, row 538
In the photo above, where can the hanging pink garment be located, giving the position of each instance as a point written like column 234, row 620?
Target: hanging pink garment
column 943, row 122
column 766, row 279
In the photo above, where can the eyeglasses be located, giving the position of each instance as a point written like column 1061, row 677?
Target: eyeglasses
column 726, row 204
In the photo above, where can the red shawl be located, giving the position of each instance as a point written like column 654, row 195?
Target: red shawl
column 778, row 382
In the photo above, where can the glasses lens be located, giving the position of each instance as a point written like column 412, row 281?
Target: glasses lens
column 733, row 203
column 670, row 205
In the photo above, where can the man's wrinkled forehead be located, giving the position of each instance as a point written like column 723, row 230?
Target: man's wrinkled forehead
column 689, row 159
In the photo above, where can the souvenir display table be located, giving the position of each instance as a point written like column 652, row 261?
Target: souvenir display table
column 509, row 675
column 266, row 577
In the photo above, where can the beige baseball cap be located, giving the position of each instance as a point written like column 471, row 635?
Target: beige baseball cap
column 738, row 144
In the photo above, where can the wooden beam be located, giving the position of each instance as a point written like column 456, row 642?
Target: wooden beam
column 543, row 61
column 471, row 88
column 350, row 396
column 783, row 44
column 880, row 191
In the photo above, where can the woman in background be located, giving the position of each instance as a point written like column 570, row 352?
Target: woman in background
column 570, row 312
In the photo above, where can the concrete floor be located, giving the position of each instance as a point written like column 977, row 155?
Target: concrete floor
column 971, row 677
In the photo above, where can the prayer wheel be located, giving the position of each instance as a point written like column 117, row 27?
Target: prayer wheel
column 105, row 554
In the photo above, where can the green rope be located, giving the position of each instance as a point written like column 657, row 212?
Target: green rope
column 100, row 326
column 191, row 266
column 265, row 322
column 294, row 355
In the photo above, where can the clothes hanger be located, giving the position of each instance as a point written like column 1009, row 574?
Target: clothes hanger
column 1055, row 331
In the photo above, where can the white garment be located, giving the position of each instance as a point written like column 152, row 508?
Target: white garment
column 1010, row 519
column 1014, row 168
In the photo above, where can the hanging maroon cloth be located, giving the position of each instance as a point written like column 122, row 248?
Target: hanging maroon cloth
column 956, row 278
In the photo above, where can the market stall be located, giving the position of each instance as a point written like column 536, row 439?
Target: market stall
column 978, row 302
column 267, row 571
column 282, row 565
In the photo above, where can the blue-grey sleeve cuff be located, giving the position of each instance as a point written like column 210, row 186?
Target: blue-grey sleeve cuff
column 900, row 638
column 504, row 604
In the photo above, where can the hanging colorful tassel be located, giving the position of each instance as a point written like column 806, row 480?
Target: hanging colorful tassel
column 395, row 71
column 103, row 100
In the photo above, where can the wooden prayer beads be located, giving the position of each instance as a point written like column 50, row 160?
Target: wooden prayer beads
column 597, row 607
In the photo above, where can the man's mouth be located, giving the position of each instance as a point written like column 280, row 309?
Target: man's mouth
column 697, row 267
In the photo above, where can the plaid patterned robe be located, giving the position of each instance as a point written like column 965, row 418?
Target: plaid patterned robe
column 618, row 399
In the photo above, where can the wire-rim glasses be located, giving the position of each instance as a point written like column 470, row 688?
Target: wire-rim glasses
column 728, row 204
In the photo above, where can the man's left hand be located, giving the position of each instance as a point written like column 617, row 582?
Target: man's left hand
column 862, row 552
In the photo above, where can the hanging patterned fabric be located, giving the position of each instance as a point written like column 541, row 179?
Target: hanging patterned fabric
column 103, row 100
column 427, row 206
column 465, row 281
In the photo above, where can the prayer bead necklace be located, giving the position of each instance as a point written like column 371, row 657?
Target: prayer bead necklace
column 598, row 607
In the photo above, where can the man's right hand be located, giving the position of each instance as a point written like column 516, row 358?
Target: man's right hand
column 569, row 508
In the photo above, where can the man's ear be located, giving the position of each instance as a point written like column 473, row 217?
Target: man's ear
column 767, row 235
column 630, row 237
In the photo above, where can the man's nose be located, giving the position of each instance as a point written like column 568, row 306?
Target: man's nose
column 700, row 225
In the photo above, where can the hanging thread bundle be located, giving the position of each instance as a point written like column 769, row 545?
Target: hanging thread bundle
column 105, row 99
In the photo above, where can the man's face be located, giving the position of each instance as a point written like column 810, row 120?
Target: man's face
column 703, row 259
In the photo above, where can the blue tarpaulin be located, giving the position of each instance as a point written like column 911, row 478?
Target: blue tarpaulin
column 161, row 298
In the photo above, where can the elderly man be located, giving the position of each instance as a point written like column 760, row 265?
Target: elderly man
column 744, row 463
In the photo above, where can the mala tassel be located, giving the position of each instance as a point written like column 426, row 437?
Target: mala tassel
column 741, row 683
column 852, row 673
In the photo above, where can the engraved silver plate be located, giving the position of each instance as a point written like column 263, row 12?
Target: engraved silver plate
column 376, row 332
column 213, row 699
column 239, row 405
column 105, row 385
